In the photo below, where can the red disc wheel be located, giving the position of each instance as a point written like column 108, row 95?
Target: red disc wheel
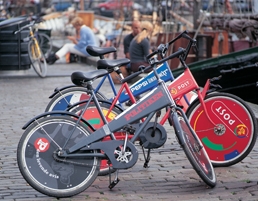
column 230, row 133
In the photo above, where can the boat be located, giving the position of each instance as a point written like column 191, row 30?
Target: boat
column 235, row 73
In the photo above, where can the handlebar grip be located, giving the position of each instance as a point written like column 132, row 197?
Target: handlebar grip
column 151, row 54
column 186, row 36
column 179, row 52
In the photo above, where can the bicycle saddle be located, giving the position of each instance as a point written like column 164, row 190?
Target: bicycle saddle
column 80, row 78
column 110, row 64
column 99, row 51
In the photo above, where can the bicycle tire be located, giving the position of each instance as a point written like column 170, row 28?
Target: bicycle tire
column 195, row 152
column 37, row 58
column 67, row 97
column 92, row 116
column 238, row 127
column 46, row 174
column 45, row 43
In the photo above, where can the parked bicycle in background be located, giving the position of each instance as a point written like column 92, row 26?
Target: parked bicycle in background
column 39, row 46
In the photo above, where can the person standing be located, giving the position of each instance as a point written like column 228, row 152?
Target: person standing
column 136, row 29
column 83, row 38
column 140, row 46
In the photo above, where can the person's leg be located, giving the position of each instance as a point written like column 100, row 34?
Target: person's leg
column 135, row 66
column 67, row 48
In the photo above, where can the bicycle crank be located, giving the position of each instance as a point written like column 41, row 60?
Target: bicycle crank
column 153, row 136
column 121, row 157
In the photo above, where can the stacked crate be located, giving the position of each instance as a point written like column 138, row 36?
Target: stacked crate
column 13, row 50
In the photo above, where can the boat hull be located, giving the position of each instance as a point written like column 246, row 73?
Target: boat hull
column 238, row 73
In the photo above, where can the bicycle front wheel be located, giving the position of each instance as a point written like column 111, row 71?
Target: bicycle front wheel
column 39, row 164
column 195, row 152
column 231, row 135
column 37, row 58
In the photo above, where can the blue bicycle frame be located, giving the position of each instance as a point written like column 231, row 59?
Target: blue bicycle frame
column 141, row 86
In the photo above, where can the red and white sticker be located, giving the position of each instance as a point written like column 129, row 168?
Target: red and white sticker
column 42, row 144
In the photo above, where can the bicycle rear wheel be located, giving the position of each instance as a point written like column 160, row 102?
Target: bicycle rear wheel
column 37, row 58
column 195, row 151
column 234, row 134
column 67, row 97
column 45, row 43
column 38, row 162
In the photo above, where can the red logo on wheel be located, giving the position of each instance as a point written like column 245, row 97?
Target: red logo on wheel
column 240, row 131
column 41, row 144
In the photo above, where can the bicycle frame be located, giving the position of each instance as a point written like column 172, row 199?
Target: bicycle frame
column 186, row 83
column 180, row 86
column 155, row 100
column 35, row 51
column 126, row 92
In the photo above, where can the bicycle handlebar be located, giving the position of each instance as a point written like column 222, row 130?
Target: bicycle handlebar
column 24, row 27
column 34, row 20
column 163, row 48
column 174, row 55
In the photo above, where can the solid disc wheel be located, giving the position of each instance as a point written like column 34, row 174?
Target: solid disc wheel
column 39, row 164
column 231, row 135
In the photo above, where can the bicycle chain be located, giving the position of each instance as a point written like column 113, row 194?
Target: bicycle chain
column 56, row 158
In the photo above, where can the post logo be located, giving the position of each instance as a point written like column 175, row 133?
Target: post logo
column 240, row 131
column 173, row 91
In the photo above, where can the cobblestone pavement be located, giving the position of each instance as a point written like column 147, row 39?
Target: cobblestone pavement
column 169, row 177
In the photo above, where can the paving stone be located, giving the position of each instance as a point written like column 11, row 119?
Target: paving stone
column 169, row 177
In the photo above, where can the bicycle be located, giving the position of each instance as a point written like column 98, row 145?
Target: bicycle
column 39, row 46
column 70, row 142
column 66, row 97
column 228, row 135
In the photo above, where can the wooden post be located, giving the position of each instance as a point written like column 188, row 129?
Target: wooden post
column 81, row 4
column 197, row 7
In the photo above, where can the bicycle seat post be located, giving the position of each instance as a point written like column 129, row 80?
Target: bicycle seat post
column 119, row 72
column 95, row 100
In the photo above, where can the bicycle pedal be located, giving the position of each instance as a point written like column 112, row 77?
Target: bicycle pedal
column 129, row 128
column 114, row 183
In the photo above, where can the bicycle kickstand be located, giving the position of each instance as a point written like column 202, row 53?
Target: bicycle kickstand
column 147, row 158
column 115, row 182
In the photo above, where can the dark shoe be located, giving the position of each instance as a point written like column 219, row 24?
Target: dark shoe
column 129, row 103
column 51, row 59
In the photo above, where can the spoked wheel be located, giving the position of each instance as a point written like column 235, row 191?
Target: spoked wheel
column 93, row 117
column 231, row 135
column 67, row 97
column 45, row 43
column 37, row 59
column 196, row 154
column 43, row 170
